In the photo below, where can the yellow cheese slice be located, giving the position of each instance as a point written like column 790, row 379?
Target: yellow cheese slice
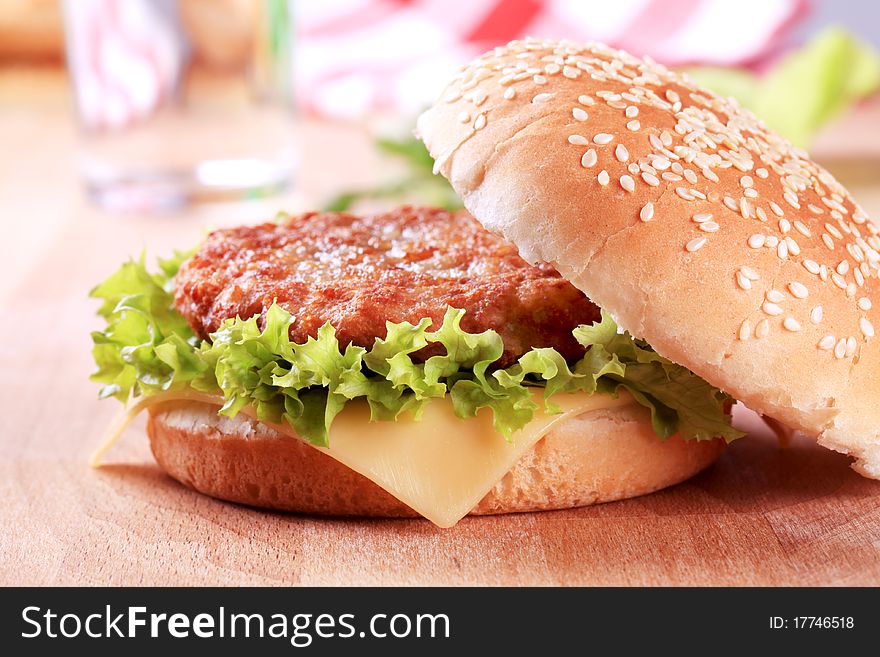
column 441, row 466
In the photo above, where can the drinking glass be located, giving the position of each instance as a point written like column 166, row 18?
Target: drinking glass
column 180, row 101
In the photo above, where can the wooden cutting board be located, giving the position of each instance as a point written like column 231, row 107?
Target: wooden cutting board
column 761, row 516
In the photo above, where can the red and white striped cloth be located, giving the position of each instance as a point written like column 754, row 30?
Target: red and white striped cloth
column 125, row 58
column 359, row 56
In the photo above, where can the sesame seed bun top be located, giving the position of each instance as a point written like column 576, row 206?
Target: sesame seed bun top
column 725, row 247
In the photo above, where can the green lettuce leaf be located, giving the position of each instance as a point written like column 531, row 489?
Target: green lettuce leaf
column 679, row 400
column 147, row 347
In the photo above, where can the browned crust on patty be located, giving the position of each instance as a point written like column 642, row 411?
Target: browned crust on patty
column 359, row 272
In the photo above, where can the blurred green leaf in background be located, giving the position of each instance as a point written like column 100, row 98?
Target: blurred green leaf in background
column 796, row 97
column 418, row 185
column 806, row 88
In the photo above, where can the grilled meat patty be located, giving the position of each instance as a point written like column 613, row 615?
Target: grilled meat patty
column 357, row 272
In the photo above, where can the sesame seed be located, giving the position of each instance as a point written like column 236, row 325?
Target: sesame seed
column 756, row 241
column 784, row 226
column 579, row 114
column 671, row 177
column 695, row 244
column 826, row 343
column 539, row 79
column 628, row 183
column 731, row 204
column 801, row 228
column 791, row 324
column 746, row 182
column 633, row 125
column 709, row 226
column 684, row 193
column 633, row 168
column 816, row 315
column 866, row 327
column 479, row 97
column 798, row 290
column 743, row 166
column 815, row 209
column 856, row 252
column 751, row 192
column 793, row 247
column 571, row 73
column 851, row 346
column 632, row 112
column 749, row 273
column 661, row 163
column 772, row 241
column 745, row 208
column 742, row 281
column 700, row 217
column 621, row 153
column 651, row 179
column 761, row 172
column 826, row 238
column 690, row 176
column 586, row 100
column 860, row 279
column 589, row 158
column 480, row 122
column 831, row 228
column 464, row 117
column 578, row 140
column 842, row 267
column 541, row 98
column 792, row 199
column 762, row 215
column 509, row 93
column 776, row 209
column 838, row 280
column 840, row 348
column 775, row 296
column 762, row 329
column 812, row 266
column 865, row 303
column 603, row 138
column 782, row 250
column 745, row 330
column 603, row 177
column 710, row 175
column 647, row 212
column 771, row 308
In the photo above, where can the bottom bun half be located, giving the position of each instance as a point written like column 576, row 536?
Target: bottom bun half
column 599, row 456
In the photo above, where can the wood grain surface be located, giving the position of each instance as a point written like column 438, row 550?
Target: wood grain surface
column 762, row 515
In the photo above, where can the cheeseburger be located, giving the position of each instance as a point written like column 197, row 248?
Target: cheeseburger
column 636, row 253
